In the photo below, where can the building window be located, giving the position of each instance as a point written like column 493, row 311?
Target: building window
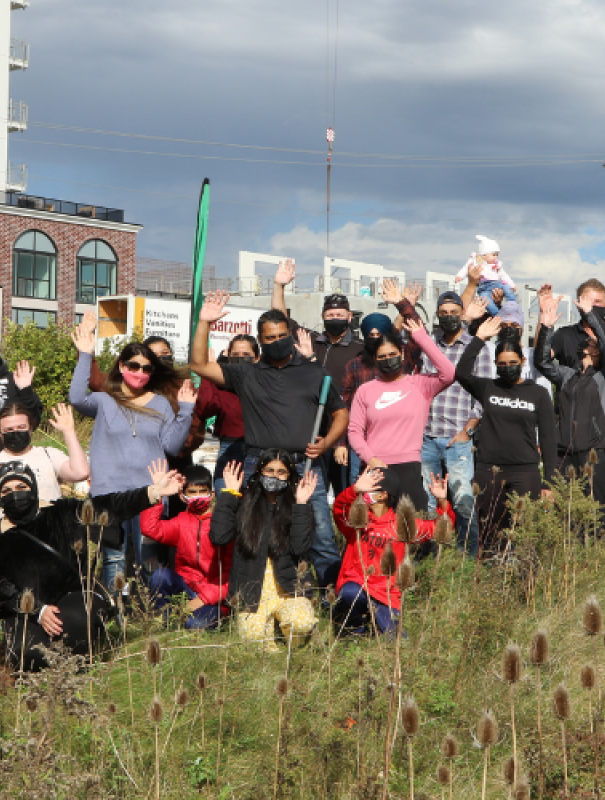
column 23, row 315
column 97, row 271
column 34, row 266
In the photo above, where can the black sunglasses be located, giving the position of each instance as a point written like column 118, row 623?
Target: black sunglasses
column 134, row 366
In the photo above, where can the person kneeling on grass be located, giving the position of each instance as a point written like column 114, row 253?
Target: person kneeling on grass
column 273, row 528
column 201, row 569
column 379, row 489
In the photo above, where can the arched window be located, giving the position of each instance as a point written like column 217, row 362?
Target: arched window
column 34, row 266
column 97, row 271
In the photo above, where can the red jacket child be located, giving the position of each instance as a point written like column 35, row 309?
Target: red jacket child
column 373, row 540
column 203, row 566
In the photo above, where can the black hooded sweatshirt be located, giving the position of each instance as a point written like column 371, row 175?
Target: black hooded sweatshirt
column 10, row 393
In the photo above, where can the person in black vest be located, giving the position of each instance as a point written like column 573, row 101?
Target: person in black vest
column 581, row 395
column 45, row 550
column 508, row 455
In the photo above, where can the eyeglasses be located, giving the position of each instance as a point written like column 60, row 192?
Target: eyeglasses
column 134, row 366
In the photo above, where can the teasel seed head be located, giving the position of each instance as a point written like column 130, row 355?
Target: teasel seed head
column 588, row 470
column 443, row 775
column 111, row 708
column 154, row 652
column 360, row 663
column 103, row 519
column 487, row 729
column 405, row 575
column 370, row 570
column 593, row 458
column 87, row 514
column 443, row 530
column 509, row 771
column 27, row 602
column 410, row 717
column 182, row 698
column 538, row 653
column 331, row 594
column 301, row 569
column 281, row 688
column 592, row 618
column 406, row 520
column 119, row 583
column 495, row 470
column 220, row 701
column 522, row 792
column 77, row 546
column 449, row 746
column 156, row 712
column 571, row 472
column 588, row 677
column 511, row 663
column 561, row 703
column 358, row 513
column 31, row 704
column 476, row 489
column 520, row 504
column 201, row 682
column 388, row 562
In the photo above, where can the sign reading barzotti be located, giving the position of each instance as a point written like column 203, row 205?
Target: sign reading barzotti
column 171, row 320
column 238, row 320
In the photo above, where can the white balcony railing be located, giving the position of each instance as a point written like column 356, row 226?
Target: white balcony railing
column 17, row 115
column 16, row 178
column 19, row 55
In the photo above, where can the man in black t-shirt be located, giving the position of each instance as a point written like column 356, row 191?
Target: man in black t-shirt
column 280, row 398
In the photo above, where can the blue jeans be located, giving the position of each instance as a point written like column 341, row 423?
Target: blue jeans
column 324, row 554
column 353, row 601
column 229, row 450
column 147, row 555
column 354, row 466
column 456, row 460
column 486, row 288
column 165, row 584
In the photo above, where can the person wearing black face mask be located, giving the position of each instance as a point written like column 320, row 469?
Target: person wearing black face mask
column 389, row 414
column 280, row 398
column 508, row 455
column 580, row 395
column 272, row 527
column 45, row 550
column 49, row 464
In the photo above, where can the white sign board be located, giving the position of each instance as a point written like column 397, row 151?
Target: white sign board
column 238, row 320
column 171, row 320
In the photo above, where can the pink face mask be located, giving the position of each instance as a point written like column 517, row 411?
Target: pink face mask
column 135, row 380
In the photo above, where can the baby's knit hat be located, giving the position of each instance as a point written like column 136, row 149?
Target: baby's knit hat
column 487, row 245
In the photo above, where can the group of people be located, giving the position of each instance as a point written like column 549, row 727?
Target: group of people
column 455, row 420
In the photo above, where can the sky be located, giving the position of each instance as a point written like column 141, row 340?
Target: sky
column 491, row 115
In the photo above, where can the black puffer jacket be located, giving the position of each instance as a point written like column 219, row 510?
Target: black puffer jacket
column 45, row 561
column 581, row 395
column 247, row 574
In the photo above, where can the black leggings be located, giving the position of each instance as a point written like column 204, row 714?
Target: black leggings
column 494, row 489
column 411, row 483
column 72, row 612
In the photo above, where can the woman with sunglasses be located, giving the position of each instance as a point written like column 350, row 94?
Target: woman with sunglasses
column 141, row 416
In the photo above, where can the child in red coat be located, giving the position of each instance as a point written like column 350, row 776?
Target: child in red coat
column 380, row 490
column 202, row 569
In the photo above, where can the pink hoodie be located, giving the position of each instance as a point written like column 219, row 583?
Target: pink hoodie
column 388, row 418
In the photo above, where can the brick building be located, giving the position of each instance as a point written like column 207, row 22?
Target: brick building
column 56, row 257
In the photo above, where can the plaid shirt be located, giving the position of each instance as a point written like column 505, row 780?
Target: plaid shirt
column 452, row 408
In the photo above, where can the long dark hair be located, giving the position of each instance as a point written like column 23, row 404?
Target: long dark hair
column 244, row 337
column 509, row 346
column 164, row 380
column 254, row 508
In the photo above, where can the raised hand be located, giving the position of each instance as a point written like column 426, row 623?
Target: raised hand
column 583, row 305
column 474, row 272
column 412, row 326
column 305, row 343
column 23, row 375
column 63, row 418
column 285, row 272
column 84, row 339
column 306, row 487
column 165, row 483
column 476, row 309
column 214, row 305
column 187, row 393
column 498, row 296
column 89, row 321
column 489, row 328
column 413, row 292
column 438, row 487
column 233, row 475
column 544, row 293
column 368, row 481
column 390, row 291
column 548, row 311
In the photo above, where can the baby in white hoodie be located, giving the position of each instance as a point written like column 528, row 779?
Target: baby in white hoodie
column 493, row 275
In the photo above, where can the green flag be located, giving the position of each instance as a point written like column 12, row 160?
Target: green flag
column 199, row 252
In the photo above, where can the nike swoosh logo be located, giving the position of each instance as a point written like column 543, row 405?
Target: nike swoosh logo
column 380, row 403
